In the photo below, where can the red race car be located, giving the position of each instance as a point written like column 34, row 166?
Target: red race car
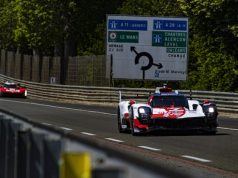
column 12, row 89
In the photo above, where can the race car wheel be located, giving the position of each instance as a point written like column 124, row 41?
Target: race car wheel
column 132, row 128
column 212, row 131
column 24, row 95
column 119, row 121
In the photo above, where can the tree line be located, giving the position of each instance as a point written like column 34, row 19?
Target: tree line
column 73, row 27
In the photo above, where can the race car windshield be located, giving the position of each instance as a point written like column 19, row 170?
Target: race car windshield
column 168, row 101
column 10, row 85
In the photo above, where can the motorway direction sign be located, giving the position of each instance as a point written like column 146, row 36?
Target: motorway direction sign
column 123, row 37
column 148, row 48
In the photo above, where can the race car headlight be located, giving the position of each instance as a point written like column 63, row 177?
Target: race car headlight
column 141, row 111
column 144, row 112
column 211, row 110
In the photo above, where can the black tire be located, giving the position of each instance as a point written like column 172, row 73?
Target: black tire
column 132, row 125
column 132, row 128
column 23, row 96
column 119, row 121
column 212, row 132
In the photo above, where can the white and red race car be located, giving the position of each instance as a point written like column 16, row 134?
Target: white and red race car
column 12, row 89
column 166, row 110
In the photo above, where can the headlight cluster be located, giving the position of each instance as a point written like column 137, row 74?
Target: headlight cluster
column 144, row 112
column 211, row 110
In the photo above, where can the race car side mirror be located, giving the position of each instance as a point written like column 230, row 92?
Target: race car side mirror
column 195, row 106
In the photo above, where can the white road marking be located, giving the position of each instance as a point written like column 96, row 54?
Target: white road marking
column 225, row 128
column 59, row 107
column 87, row 133
column 196, row 158
column 65, row 128
column 149, row 148
column 114, row 140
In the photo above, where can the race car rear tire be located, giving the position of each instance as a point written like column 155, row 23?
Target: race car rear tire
column 119, row 126
column 1, row 94
column 119, row 121
column 24, row 95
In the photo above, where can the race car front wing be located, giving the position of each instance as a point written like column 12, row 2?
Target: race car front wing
column 177, row 124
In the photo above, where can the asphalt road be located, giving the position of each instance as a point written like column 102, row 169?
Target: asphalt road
column 218, row 151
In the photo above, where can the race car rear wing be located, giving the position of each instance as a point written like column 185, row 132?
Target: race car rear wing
column 136, row 96
column 133, row 97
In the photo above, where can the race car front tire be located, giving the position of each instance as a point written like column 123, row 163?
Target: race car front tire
column 212, row 131
column 133, row 128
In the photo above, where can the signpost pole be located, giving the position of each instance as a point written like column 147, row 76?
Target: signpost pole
column 111, row 72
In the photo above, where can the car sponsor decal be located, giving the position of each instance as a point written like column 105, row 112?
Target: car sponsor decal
column 12, row 90
column 168, row 112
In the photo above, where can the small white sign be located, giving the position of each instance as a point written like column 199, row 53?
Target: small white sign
column 52, row 80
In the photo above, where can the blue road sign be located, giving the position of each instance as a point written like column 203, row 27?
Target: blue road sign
column 170, row 25
column 127, row 25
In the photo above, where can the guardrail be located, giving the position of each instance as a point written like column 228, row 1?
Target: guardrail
column 33, row 150
column 226, row 101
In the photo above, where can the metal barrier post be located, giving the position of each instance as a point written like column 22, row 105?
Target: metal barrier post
column 2, row 135
column 23, row 155
column 36, row 155
column 52, row 152
column 12, row 149
column 4, row 147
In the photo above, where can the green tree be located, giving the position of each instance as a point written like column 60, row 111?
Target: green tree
column 73, row 27
column 213, row 44
column 151, row 7
column 7, row 24
column 92, row 27
column 39, row 23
